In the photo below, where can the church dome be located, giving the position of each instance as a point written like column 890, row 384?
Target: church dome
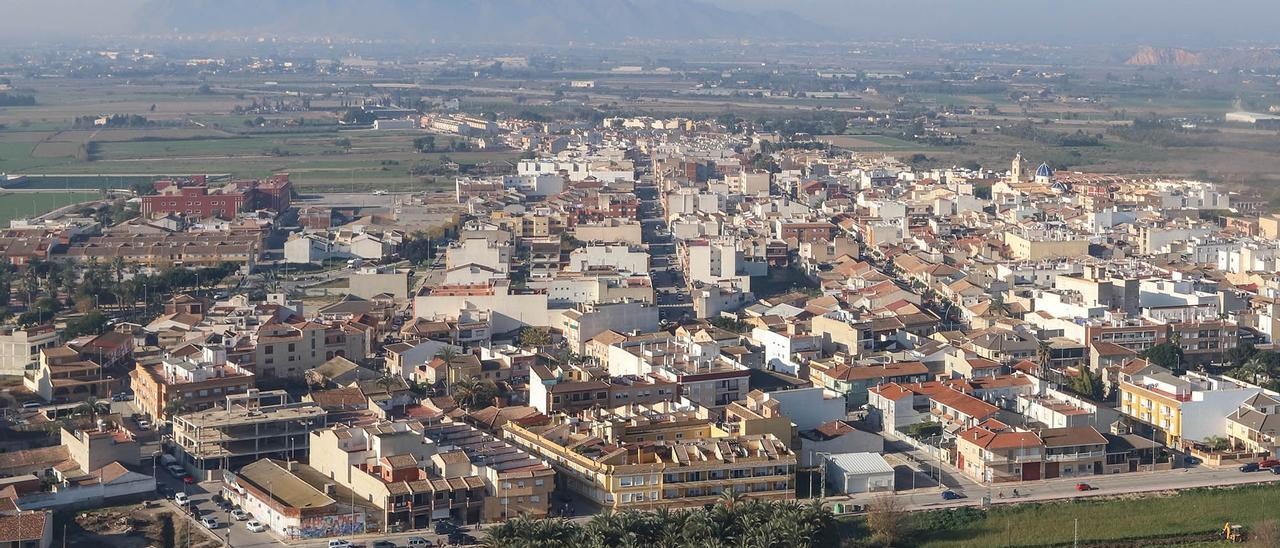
column 1044, row 171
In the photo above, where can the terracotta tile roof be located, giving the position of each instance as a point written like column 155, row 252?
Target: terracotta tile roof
column 24, row 526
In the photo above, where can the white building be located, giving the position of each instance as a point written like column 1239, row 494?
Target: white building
column 622, row 257
column 580, row 324
column 20, row 348
column 853, row 473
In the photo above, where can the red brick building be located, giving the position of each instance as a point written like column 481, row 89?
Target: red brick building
column 194, row 198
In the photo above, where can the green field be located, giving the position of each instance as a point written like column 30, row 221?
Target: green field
column 1191, row 512
column 15, row 205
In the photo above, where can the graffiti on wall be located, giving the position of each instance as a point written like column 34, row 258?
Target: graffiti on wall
column 333, row 525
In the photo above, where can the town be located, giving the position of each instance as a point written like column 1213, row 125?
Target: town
column 671, row 327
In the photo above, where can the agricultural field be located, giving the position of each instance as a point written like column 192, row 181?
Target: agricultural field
column 1192, row 513
column 16, row 205
column 197, row 133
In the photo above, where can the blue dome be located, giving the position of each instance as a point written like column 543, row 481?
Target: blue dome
column 1044, row 171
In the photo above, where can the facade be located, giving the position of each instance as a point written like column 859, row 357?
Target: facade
column 20, row 348
column 197, row 377
column 1179, row 410
column 670, row 473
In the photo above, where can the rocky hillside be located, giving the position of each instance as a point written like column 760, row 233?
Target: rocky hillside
column 1148, row 55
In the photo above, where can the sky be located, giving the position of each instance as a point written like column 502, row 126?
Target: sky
column 1188, row 23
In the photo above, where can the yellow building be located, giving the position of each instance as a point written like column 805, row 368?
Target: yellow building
column 665, row 473
column 1171, row 406
column 1036, row 248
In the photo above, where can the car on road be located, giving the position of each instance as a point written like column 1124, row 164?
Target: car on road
column 382, row 544
column 458, row 538
column 176, row 471
column 181, row 498
column 1083, row 487
column 255, row 526
column 951, row 495
column 419, row 542
column 32, row 405
column 1276, row 470
column 444, row 527
column 339, row 543
column 1190, row 460
column 188, row 479
column 1249, row 467
column 240, row 515
column 1268, row 463
column 210, row 522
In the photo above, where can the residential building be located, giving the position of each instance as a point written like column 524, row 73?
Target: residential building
column 197, row 377
column 20, row 347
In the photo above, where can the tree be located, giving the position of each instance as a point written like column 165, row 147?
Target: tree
column 1240, row 355
column 92, row 323
column 1088, row 384
column 472, row 394
column 93, row 408
column 535, row 336
column 176, row 407
column 887, row 520
column 1167, row 355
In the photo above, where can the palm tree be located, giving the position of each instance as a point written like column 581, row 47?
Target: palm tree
column 472, row 393
column 93, row 408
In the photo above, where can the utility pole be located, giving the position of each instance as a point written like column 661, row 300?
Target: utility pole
column 1075, row 536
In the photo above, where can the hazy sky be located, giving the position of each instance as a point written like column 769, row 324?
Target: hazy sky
column 1192, row 23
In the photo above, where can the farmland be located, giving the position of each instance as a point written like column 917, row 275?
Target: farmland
column 1194, row 512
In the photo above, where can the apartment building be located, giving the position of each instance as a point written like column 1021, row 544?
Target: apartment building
column 20, row 347
column 853, row 380
column 392, row 465
column 670, row 473
column 248, row 427
column 578, row 325
column 568, row 389
column 516, row 482
column 197, row 376
column 289, row 349
column 1179, row 410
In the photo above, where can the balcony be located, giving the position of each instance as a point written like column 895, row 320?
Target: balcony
column 1068, row 457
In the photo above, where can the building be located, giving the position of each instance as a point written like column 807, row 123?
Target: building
column 20, row 347
column 853, row 473
column 275, row 495
column 993, row 452
column 670, row 473
column 393, row 465
column 580, row 324
column 1179, row 410
column 64, row 375
column 249, row 427
column 516, row 483
column 569, row 389
column 194, row 198
column 1255, row 425
column 197, row 377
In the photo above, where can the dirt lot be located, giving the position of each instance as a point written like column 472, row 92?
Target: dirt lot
column 132, row 526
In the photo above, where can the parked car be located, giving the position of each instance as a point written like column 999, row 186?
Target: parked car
column 419, row 542
column 1276, row 470
column 31, row 405
column 188, row 479
column 1268, row 463
column 240, row 515
column 444, row 527
column 951, row 495
column 1249, row 467
column 1190, row 460
column 339, row 543
column 1083, row 487
column 210, row 522
column 255, row 526
column 382, row 544
column 176, row 471
column 181, row 498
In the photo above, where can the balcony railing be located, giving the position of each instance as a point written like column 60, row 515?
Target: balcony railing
column 1064, row 457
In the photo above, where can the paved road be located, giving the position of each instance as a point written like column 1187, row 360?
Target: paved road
column 668, row 278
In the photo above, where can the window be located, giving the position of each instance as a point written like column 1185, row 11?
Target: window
column 270, row 349
column 538, row 483
column 535, row 498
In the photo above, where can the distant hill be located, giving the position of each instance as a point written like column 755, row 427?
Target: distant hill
column 1215, row 57
column 1147, row 55
column 521, row 21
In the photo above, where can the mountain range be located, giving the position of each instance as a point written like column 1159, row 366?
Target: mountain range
column 477, row 21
